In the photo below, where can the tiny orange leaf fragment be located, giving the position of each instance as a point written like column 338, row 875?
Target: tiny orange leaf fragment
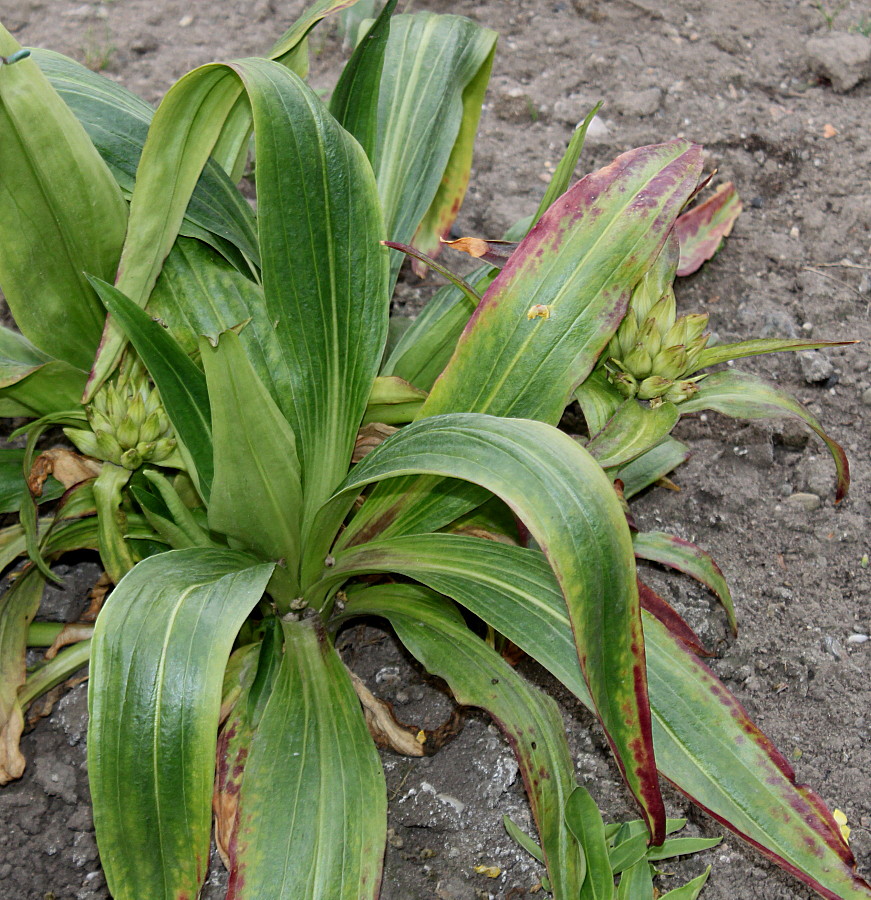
column 829, row 131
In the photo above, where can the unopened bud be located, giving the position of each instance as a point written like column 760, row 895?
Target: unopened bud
column 624, row 383
column 85, row 441
column 670, row 362
column 131, row 459
column 109, row 448
column 638, row 361
column 654, row 386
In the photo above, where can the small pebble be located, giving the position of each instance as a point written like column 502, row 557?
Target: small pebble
column 805, row 501
column 858, row 639
column 866, row 397
column 185, row 21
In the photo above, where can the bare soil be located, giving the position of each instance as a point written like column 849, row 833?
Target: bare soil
column 734, row 76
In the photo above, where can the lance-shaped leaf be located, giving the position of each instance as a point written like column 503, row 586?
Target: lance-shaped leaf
column 354, row 102
column 440, row 640
column 721, row 353
column 702, row 229
column 705, row 743
column 181, row 384
column 686, row 557
column 550, row 312
column 434, row 75
column 567, row 503
column 63, row 215
column 117, row 121
column 744, row 396
column 256, row 497
column 633, row 429
column 158, row 656
column 585, row 821
column 313, row 774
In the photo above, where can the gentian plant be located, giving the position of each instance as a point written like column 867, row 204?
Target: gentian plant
column 257, row 465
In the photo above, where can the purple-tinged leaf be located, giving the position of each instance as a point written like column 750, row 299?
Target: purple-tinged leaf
column 702, row 229
column 686, row 557
column 744, row 396
column 671, row 618
column 579, row 262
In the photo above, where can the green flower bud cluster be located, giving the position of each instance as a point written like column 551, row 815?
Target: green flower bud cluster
column 129, row 425
column 653, row 354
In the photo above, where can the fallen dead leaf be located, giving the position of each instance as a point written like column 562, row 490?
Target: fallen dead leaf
column 369, row 437
column 70, row 634
column 386, row 731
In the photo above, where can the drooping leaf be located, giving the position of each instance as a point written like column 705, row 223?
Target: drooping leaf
column 705, row 743
column 312, row 772
column 256, row 497
column 702, row 229
column 745, row 396
column 117, row 121
column 686, row 557
column 550, row 312
column 117, row 555
column 159, row 650
column 558, row 491
column 54, row 185
column 439, row 639
column 181, row 384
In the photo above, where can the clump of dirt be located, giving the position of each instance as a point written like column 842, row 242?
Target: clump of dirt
column 782, row 121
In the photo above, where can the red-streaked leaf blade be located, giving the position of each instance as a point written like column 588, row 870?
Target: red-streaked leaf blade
column 702, row 229
column 548, row 315
column 314, row 775
column 686, row 557
column 558, row 491
column 744, row 396
column 437, row 637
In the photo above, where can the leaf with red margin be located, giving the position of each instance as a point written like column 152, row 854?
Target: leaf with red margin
column 702, row 229
column 744, row 396
column 671, row 618
column 478, row 676
column 580, row 260
column 686, row 557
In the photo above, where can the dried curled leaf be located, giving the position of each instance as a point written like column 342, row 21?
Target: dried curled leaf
column 68, row 467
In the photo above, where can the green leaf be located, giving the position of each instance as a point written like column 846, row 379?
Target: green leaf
column 721, row 353
column 313, row 774
column 702, row 229
column 354, row 102
column 291, row 39
column 63, row 215
column 551, row 311
column 705, row 744
column 393, row 401
column 682, row 847
column 181, row 384
column 598, row 399
column 690, row 890
column 585, row 822
column 627, row 853
column 435, row 71
column 686, row 557
column 438, row 638
column 744, row 396
column 116, row 554
column 570, row 508
column 648, row 468
column 18, row 606
column 636, row 883
column 633, row 430
column 158, row 656
column 256, row 497
column 117, row 121
column 523, row 839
